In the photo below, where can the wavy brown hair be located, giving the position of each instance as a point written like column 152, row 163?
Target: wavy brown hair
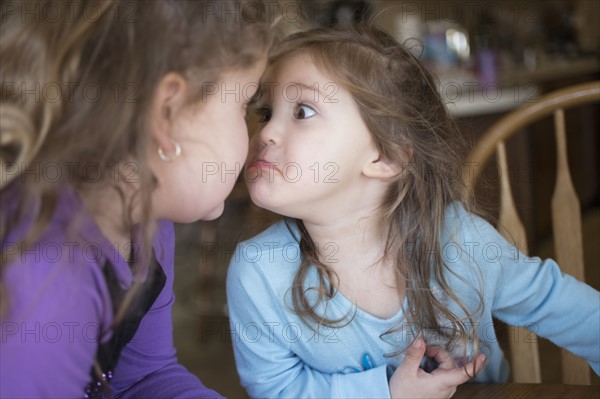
column 120, row 49
column 399, row 102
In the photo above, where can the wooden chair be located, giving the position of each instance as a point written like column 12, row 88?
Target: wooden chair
column 565, row 210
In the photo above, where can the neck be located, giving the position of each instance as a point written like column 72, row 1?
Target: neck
column 353, row 248
column 355, row 240
column 109, row 210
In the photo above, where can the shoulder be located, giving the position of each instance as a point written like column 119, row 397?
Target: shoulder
column 58, row 250
column 474, row 250
column 464, row 228
column 59, row 308
column 278, row 243
column 277, row 237
column 59, row 281
column 270, row 258
column 465, row 249
column 59, row 276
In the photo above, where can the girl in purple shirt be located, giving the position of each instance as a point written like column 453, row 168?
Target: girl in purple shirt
column 115, row 123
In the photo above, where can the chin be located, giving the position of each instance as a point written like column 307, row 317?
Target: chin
column 256, row 200
column 214, row 213
column 191, row 217
column 260, row 197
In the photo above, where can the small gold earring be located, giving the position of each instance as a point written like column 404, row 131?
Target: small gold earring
column 169, row 158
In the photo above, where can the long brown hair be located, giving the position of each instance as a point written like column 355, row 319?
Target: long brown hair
column 105, row 58
column 401, row 106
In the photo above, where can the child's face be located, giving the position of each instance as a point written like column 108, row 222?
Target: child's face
column 214, row 140
column 306, row 160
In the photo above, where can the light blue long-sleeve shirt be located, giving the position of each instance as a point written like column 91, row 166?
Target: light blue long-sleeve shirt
column 277, row 355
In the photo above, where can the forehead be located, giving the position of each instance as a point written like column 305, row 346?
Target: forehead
column 294, row 69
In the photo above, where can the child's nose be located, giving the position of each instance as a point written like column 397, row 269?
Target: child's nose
column 271, row 133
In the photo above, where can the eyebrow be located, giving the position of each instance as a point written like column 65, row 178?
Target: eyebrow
column 265, row 86
column 310, row 87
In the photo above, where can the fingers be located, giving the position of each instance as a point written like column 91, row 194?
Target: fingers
column 458, row 376
column 479, row 363
column 441, row 356
column 413, row 356
column 451, row 377
column 473, row 368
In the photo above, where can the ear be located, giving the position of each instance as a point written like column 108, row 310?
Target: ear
column 169, row 99
column 381, row 168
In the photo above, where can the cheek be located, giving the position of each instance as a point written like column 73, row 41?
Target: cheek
column 243, row 139
column 253, row 146
column 239, row 136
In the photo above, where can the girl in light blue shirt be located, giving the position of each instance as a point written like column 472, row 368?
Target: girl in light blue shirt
column 379, row 282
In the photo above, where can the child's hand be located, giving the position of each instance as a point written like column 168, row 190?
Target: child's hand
column 410, row 381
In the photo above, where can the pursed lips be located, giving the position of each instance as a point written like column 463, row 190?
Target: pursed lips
column 263, row 164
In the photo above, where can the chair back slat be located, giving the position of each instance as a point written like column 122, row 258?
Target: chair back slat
column 566, row 213
column 525, row 364
column 568, row 241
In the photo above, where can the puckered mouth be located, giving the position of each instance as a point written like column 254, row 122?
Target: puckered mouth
column 264, row 165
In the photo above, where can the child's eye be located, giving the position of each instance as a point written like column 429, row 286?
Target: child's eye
column 264, row 114
column 304, row 112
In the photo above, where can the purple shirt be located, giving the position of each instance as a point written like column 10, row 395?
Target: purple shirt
column 61, row 310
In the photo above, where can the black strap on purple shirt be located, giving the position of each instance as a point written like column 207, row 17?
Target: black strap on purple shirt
column 109, row 352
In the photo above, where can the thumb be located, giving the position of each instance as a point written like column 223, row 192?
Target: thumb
column 414, row 355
